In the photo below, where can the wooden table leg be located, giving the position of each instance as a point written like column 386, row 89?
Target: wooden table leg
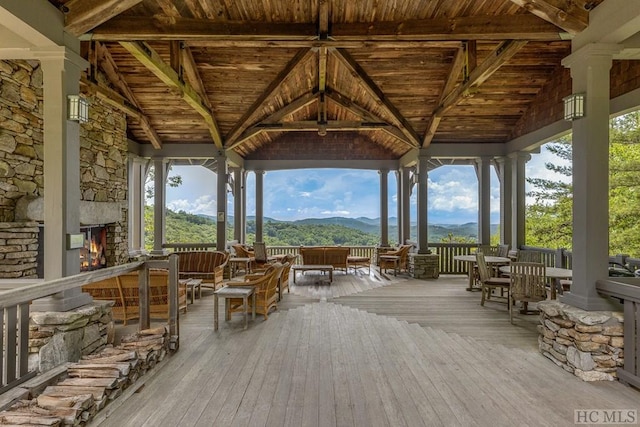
column 331, row 276
column 215, row 312
column 253, row 310
column 245, row 302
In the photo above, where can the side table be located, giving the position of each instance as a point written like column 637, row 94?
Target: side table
column 227, row 292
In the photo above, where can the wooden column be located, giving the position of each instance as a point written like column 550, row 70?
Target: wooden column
column 384, row 207
column 405, row 205
column 137, row 174
column 504, row 172
column 243, row 218
column 483, row 173
column 238, row 213
column 422, row 193
column 221, row 181
column 590, row 67
column 518, row 198
column 160, row 170
column 259, row 204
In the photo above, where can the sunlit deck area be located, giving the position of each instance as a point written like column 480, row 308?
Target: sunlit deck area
column 367, row 350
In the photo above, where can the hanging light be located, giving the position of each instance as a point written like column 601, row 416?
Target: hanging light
column 77, row 109
column 574, row 106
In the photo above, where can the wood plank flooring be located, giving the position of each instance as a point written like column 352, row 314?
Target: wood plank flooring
column 385, row 352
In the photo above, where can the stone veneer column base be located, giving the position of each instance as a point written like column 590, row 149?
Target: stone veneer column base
column 424, row 266
column 59, row 337
column 589, row 344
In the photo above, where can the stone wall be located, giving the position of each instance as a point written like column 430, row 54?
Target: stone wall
column 588, row 344
column 18, row 250
column 21, row 138
column 59, row 337
column 424, row 266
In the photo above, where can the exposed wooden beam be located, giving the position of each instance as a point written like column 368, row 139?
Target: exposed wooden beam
column 152, row 60
column 502, row 27
column 502, row 54
column 316, row 44
column 457, row 65
column 311, row 125
column 84, row 15
column 301, row 56
column 359, row 73
column 564, row 14
column 291, row 108
column 190, row 69
column 110, row 69
column 349, row 105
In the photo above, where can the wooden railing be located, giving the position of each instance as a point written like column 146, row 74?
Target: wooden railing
column 368, row 251
column 14, row 307
column 447, row 251
column 185, row 247
column 627, row 290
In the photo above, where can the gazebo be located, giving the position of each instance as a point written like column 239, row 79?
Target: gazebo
column 94, row 92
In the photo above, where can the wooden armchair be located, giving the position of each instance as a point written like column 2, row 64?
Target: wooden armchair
column 528, row 284
column 402, row 252
column 266, row 290
column 489, row 283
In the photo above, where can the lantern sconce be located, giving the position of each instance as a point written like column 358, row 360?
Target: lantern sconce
column 574, row 106
column 77, row 109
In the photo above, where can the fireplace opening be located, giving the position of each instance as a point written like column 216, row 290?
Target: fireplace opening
column 93, row 254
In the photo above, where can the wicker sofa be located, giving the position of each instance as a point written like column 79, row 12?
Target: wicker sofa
column 206, row 265
column 335, row 256
column 123, row 291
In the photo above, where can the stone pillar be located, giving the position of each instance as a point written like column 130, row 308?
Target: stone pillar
column 161, row 170
column 422, row 192
column 238, row 213
column 137, row 177
column 504, row 172
column 61, row 75
column 259, row 205
column 384, row 207
column 518, row 198
column 221, row 224
column 483, row 173
column 590, row 68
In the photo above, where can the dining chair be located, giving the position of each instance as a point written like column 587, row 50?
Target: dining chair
column 260, row 254
column 528, row 284
column 489, row 283
column 529, row 256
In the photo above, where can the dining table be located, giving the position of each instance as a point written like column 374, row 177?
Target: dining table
column 471, row 259
column 555, row 273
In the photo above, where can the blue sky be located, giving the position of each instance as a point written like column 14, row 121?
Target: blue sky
column 322, row 193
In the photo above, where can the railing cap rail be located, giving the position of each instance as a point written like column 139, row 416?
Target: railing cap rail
column 627, row 288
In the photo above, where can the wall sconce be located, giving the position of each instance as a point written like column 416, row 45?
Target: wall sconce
column 574, row 106
column 77, row 109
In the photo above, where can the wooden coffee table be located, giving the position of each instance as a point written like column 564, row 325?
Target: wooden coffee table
column 228, row 292
column 310, row 267
column 193, row 286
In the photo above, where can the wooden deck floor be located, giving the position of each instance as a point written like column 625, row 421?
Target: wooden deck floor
column 368, row 350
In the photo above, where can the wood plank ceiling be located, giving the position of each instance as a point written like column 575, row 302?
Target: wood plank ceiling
column 248, row 75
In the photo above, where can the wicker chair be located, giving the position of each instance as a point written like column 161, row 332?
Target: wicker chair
column 287, row 262
column 266, row 290
column 242, row 252
column 489, row 283
column 260, row 254
column 402, row 252
column 528, row 284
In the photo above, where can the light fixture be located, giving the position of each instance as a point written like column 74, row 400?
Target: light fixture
column 77, row 109
column 574, row 106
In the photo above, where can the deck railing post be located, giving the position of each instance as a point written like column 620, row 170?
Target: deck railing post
column 143, row 295
column 174, row 312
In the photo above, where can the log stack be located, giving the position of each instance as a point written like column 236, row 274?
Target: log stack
column 87, row 386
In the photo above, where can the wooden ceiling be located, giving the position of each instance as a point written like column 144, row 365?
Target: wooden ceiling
column 247, row 74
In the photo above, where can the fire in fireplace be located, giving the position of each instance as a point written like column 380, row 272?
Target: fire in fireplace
column 93, row 255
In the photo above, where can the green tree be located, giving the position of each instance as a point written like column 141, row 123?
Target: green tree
column 173, row 181
column 549, row 219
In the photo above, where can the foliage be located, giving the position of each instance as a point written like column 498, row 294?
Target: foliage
column 549, row 219
column 181, row 227
column 173, row 181
column 288, row 234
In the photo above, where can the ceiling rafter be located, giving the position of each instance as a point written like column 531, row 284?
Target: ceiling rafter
column 84, row 15
column 562, row 13
column 301, row 56
column 481, row 73
column 455, row 70
column 190, row 69
column 311, row 125
column 111, row 97
column 359, row 73
column 503, row 27
column 112, row 73
column 154, row 63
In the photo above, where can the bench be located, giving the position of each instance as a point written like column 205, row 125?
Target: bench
column 335, row 256
column 124, row 292
column 205, row 265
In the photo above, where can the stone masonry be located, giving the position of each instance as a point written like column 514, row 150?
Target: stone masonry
column 60, row 337
column 424, row 266
column 588, row 344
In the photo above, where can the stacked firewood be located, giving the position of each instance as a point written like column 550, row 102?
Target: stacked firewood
column 91, row 383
